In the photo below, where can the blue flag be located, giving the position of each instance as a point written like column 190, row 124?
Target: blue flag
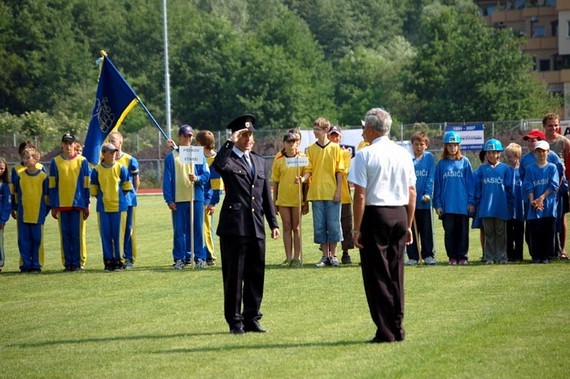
column 115, row 98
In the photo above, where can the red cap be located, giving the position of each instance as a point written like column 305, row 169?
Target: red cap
column 535, row 134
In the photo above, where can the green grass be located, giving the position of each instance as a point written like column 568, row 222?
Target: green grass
column 497, row 321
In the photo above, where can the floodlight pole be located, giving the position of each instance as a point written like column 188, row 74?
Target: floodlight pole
column 166, row 73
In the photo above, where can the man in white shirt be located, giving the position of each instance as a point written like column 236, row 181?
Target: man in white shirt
column 384, row 203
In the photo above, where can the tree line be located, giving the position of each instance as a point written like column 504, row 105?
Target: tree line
column 286, row 61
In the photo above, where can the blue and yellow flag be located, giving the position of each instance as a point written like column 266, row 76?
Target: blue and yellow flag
column 115, row 98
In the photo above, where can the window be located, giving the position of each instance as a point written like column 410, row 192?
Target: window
column 538, row 31
column 551, row 3
column 554, row 26
column 544, row 65
column 519, row 4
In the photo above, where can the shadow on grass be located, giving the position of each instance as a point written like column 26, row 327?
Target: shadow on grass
column 226, row 347
column 223, row 343
column 111, row 339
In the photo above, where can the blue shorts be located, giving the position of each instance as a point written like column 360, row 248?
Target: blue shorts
column 326, row 221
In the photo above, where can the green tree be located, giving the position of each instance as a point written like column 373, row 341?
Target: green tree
column 466, row 71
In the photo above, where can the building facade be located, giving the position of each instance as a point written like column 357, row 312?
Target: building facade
column 546, row 26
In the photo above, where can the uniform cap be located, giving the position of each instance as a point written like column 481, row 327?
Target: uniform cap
column 242, row 122
column 535, row 134
column 108, row 148
column 452, row 137
column 335, row 129
column 493, row 145
column 542, row 145
column 68, row 138
column 185, row 130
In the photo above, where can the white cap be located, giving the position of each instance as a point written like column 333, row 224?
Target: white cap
column 542, row 145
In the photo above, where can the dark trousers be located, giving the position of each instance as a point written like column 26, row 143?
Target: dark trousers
column 515, row 239
column 346, row 224
column 542, row 234
column 383, row 234
column 456, row 230
column 422, row 229
column 243, row 272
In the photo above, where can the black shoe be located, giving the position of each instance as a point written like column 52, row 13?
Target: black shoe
column 346, row 259
column 254, row 327
column 237, row 330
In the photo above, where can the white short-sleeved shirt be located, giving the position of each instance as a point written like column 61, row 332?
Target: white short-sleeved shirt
column 386, row 171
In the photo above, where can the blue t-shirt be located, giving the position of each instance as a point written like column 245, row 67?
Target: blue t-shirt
column 453, row 187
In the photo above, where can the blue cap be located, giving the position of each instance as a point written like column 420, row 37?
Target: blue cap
column 493, row 145
column 185, row 130
column 452, row 137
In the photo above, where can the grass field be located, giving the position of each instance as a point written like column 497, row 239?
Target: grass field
column 478, row 321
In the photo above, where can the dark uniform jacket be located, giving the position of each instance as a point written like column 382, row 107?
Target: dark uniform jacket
column 248, row 199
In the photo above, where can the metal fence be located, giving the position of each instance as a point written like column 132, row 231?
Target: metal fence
column 149, row 146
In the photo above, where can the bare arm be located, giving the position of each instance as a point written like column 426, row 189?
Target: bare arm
column 358, row 211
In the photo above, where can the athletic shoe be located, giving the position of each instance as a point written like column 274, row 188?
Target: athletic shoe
column 323, row 262
column 179, row 264
column 463, row 262
column 211, row 262
column 489, row 262
column 286, row 263
column 296, row 263
column 411, row 262
column 453, row 261
column 334, row 262
column 107, row 268
column 200, row 264
column 430, row 261
column 346, row 259
column 128, row 264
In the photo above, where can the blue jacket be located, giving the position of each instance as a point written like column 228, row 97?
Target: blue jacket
column 425, row 171
column 536, row 181
column 453, row 188
column 494, row 191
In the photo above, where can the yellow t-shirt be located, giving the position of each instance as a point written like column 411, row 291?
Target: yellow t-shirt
column 288, row 194
column 345, row 197
column 324, row 163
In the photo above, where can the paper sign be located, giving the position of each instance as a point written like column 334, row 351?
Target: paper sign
column 191, row 154
column 297, row 161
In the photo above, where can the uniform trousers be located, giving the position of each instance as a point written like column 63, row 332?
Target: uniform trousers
column 515, row 240
column 456, row 235
column 130, row 244
column 422, row 229
column 383, row 233
column 30, row 242
column 70, row 230
column 243, row 272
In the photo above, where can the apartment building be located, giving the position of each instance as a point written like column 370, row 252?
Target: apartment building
column 546, row 26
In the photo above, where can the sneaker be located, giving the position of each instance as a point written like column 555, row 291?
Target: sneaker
column 411, row 262
column 200, row 264
column 323, row 262
column 489, row 262
column 286, row 263
column 463, row 262
column 107, row 268
column 211, row 262
column 128, row 264
column 296, row 263
column 334, row 262
column 452, row 261
column 179, row 264
column 430, row 261
column 346, row 259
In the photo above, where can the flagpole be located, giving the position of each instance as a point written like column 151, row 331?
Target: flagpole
column 166, row 72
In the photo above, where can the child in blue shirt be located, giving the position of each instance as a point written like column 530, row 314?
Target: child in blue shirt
column 422, row 227
column 540, row 185
column 515, row 224
column 5, row 207
column 453, row 198
column 493, row 197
